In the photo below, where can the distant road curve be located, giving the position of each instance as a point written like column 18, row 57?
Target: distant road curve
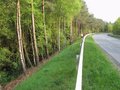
column 109, row 44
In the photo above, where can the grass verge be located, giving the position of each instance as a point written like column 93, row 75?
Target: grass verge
column 98, row 72
column 58, row 74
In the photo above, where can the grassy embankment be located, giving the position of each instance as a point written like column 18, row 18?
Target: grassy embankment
column 98, row 72
column 58, row 74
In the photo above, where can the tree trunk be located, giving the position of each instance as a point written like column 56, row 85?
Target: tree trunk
column 19, row 34
column 26, row 53
column 59, row 35
column 33, row 51
column 34, row 35
column 76, row 27
column 64, row 31
column 71, row 32
column 27, row 57
column 45, row 33
column 64, row 25
column 79, row 27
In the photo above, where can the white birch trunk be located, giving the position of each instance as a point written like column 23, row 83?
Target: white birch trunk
column 34, row 35
column 19, row 34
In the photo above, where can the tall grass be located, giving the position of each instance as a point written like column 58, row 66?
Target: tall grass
column 98, row 72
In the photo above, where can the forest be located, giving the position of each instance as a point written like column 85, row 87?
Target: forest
column 33, row 30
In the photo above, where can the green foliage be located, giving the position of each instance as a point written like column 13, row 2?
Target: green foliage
column 116, row 27
column 110, row 27
column 7, row 65
column 8, row 48
column 54, row 10
column 88, row 23
column 7, row 19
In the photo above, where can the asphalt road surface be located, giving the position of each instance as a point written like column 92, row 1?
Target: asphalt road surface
column 109, row 44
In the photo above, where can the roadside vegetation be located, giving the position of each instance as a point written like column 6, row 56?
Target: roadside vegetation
column 98, row 72
column 33, row 30
column 113, row 28
column 58, row 74
column 114, row 35
column 116, row 27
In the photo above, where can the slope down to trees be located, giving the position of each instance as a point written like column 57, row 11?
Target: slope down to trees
column 57, row 74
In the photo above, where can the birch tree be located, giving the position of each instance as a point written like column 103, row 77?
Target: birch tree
column 44, row 27
column 19, row 34
column 34, row 34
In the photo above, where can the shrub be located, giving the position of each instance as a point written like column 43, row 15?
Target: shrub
column 7, row 65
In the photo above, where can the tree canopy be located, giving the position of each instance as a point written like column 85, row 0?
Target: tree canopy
column 116, row 27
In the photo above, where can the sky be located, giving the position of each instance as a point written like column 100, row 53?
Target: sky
column 108, row 10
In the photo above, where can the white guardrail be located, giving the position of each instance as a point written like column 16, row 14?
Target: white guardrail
column 80, row 65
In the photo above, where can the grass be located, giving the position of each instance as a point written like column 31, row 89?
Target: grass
column 58, row 74
column 98, row 72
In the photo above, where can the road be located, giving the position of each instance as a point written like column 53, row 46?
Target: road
column 109, row 44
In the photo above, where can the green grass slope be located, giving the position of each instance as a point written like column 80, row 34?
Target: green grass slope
column 58, row 74
column 98, row 72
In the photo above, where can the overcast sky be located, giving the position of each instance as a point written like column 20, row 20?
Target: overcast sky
column 108, row 10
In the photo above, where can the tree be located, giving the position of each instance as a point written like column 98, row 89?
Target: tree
column 88, row 23
column 19, row 34
column 34, row 35
column 116, row 27
column 44, row 26
column 110, row 27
